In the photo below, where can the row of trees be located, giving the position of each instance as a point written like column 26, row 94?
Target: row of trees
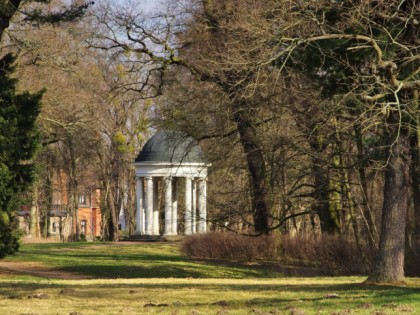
column 88, row 130
column 18, row 137
column 306, row 108
column 307, row 111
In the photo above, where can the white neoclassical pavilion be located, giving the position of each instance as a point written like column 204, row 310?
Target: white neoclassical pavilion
column 169, row 159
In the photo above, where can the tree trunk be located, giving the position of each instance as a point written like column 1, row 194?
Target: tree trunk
column 130, row 203
column 34, row 228
column 73, row 196
column 414, row 226
column 366, row 208
column 308, row 121
column 389, row 262
column 109, row 213
column 321, row 192
column 48, row 205
column 256, row 167
column 33, row 220
column 113, row 216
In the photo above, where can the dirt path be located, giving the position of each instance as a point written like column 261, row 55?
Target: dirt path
column 33, row 269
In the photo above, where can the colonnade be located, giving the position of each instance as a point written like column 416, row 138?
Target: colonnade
column 147, row 212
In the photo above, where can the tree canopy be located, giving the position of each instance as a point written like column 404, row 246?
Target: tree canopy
column 308, row 110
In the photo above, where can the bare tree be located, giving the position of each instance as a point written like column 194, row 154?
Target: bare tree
column 54, row 57
column 378, row 55
column 362, row 56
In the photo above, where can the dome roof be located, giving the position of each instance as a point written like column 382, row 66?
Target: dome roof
column 172, row 147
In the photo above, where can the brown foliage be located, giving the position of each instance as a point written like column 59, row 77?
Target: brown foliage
column 231, row 246
column 332, row 255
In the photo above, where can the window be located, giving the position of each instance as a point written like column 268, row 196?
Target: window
column 54, row 227
column 83, row 225
column 82, row 199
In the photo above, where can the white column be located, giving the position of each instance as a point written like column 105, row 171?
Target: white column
column 168, row 206
column 202, row 205
column 140, row 207
column 194, row 207
column 155, row 230
column 149, row 205
column 188, row 206
column 174, row 216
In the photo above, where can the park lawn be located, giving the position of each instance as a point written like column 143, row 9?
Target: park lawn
column 130, row 260
column 177, row 285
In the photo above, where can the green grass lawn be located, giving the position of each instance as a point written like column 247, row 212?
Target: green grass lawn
column 137, row 260
column 156, row 279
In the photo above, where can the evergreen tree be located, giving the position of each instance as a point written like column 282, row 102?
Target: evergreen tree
column 18, row 143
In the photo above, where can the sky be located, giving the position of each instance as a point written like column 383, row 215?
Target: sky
column 149, row 5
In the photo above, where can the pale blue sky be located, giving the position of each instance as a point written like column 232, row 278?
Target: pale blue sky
column 150, row 4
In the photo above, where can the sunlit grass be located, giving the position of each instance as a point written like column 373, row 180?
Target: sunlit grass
column 168, row 283
column 207, row 296
column 138, row 260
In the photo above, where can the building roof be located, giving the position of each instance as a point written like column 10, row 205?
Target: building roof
column 171, row 146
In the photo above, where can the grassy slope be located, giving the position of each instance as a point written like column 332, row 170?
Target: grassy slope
column 163, row 276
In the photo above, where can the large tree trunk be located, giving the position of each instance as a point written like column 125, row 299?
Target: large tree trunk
column 389, row 263
column 256, row 167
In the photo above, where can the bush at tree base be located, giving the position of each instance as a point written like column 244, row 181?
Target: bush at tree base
column 9, row 235
column 334, row 255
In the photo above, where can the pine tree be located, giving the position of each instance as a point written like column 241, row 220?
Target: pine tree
column 18, row 143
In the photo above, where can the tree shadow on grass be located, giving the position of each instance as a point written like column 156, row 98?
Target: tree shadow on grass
column 116, row 257
column 286, row 294
column 144, row 265
column 130, row 272
column 165, row 269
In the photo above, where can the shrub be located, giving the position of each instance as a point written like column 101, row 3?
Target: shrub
column 82, row 237
column 333, row 255
column 9, row 239
column 231, row 246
